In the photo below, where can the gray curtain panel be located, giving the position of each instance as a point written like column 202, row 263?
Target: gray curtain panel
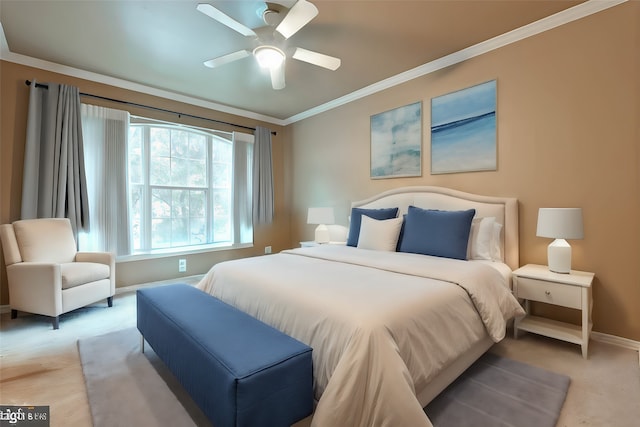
column 54, row 184
column 262, row 177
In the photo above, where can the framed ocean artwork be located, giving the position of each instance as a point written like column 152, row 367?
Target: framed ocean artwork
column 463, row 130
column 396, row 142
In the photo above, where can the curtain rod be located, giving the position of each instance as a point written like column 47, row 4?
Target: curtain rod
column 28, row 83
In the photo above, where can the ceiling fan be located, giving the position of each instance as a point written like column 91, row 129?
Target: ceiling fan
column 269, row 48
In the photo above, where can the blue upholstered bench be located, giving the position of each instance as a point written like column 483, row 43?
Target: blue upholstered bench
column 240, row 371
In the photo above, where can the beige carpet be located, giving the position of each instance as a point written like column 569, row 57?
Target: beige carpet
column 40, row 366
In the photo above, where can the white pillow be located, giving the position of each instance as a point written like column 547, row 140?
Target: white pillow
column 379, row 235
column 484, row 239
column 496, row 245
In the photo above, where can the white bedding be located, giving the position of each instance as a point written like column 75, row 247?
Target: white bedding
column 381, row 324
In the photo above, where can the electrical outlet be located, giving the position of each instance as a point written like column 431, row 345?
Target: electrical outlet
column 182, row 265
column 267, row 249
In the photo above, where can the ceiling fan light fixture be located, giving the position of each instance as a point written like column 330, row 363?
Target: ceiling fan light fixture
column 269, row 57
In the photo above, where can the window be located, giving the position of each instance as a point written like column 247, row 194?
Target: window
column 184, row 189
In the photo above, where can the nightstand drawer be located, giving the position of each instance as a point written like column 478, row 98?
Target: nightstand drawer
column 549, row 292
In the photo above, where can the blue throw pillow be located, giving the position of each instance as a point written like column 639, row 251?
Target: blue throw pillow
column 356, row 220
column 437, row 233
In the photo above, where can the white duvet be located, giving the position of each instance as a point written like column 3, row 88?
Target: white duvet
column 381, row 324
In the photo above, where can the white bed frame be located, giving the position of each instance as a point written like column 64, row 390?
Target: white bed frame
column 504, row 209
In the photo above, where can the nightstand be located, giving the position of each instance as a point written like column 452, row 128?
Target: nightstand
column 573, row 290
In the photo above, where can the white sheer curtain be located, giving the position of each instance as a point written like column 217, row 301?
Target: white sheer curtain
column 262, row 177
column 242, row 191
column 53, row 184
column 105, row 133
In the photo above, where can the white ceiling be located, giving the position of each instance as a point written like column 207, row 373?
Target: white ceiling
column 162, row 45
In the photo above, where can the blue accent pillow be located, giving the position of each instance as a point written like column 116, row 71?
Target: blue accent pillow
column 356, row 220
column 437, row 233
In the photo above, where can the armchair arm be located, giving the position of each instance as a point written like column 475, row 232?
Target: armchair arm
column 35, row 287
column 99, row 257
column 107, row 258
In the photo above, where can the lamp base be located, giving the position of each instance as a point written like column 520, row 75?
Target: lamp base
column 559, row 256
column 322, row 234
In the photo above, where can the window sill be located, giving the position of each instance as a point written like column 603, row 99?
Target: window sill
column 188, row 250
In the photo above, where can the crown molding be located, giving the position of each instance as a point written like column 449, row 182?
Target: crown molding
column 577, row 12
column 7, row 55
column 569, row 15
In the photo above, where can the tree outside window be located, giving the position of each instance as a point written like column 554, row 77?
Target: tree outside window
column 180, row 187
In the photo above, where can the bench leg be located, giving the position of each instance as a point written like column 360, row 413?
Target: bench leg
column 110, row 301
column 14, row 314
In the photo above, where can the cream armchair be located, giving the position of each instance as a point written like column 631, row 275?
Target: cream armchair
column 47, row 275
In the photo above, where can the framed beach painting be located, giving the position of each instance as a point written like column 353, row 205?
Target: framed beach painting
column 463, row 130
column 396, row 142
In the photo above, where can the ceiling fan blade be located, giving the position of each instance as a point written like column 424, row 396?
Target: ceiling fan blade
column 277, row 77
column 316, row 58
column 298, row 16
column 225, row 59
column 225, row 19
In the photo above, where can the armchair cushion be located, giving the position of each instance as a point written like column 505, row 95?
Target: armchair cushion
column 80, row 273
column 45, row 240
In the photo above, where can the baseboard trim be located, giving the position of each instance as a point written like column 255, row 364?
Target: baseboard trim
column 617, row 341
column 193, row 280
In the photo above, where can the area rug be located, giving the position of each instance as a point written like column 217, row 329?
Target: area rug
column 500, row 392
column 128, row 388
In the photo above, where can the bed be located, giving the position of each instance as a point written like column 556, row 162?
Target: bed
column 389, row 328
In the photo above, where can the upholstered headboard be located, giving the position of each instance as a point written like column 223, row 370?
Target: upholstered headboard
column 504, row 209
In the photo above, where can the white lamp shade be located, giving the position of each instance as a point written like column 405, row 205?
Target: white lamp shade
column 320, row 216
column 560, row 223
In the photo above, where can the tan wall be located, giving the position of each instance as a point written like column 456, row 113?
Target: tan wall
column 13, row 119
column 568, row 135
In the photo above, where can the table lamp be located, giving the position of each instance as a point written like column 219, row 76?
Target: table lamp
column 560, row 224
column 322, row 217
